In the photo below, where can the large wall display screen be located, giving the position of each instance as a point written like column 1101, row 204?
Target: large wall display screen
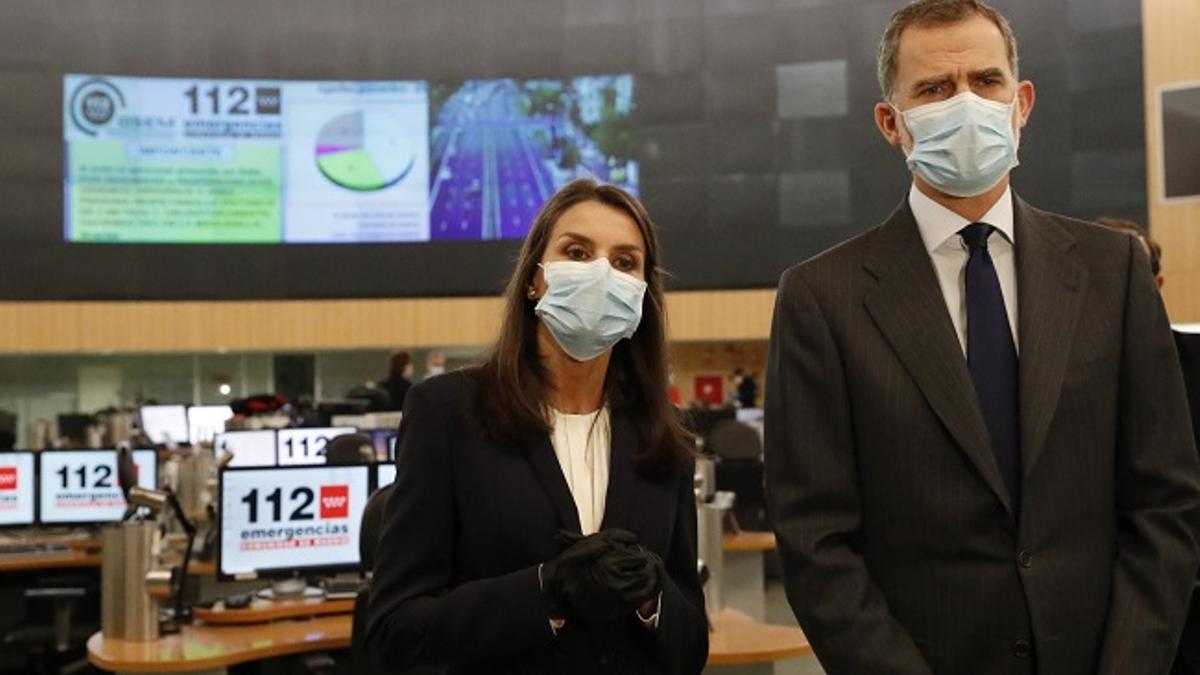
column 165, row 151
column 201, row 161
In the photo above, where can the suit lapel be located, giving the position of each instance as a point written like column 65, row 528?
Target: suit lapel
column 541, row 457
column 908, row 307
column 621, row 496
column 1049, row 290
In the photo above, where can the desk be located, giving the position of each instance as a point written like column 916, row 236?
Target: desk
column 742, row 577
column 739, row 645
column 84, row 552
column 209, row 648
column 49, row 561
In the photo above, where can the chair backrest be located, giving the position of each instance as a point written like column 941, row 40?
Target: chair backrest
column 350, row 449
column 372, row 527
column 377, row 398
column 368, row 544
column 730, row 439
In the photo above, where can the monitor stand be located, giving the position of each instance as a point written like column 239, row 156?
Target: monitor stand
column 289, row 588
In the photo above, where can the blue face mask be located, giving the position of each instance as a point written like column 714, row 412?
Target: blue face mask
column 589, row 307
column 962, row 146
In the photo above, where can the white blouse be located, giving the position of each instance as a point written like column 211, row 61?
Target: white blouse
column 582, row 444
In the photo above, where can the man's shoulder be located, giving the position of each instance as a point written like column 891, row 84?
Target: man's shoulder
column 1090, row 236
column 832, row 265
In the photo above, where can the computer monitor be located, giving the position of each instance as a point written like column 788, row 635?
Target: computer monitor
column 384, row 441
column 249, row 448
column 75, row 427
column 385, row 474
column 79, row 487
column 297, row 447
column 165, row 424
column 278, row 521
column 18, row 486
column 206, row 421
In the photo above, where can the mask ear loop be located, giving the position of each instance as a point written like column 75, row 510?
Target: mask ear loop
column 899, row 117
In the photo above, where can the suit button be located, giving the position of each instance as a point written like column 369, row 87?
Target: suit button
column 1025, row 559
column 1022, row 649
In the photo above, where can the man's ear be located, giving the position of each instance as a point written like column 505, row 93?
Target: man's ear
column 888, row 122
column 1026, row 97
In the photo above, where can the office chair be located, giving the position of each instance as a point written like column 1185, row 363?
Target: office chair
column 350, row 449
column 368, row 545
column 377, row 398
column 739, row 454
column 58, row 645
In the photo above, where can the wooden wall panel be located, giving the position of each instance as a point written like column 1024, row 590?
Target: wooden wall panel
column 88, row 327
column 1172, row 56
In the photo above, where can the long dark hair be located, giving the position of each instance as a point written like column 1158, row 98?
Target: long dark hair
column 514, row 383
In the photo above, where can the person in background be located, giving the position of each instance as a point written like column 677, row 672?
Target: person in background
column 542, row 519
column 8, row 430
column 1187, row 661
column 745, row 389
column 978, row 455
column 435, row 364
column 397, row 382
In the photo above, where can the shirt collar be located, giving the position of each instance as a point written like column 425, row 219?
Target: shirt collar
column 938, row 223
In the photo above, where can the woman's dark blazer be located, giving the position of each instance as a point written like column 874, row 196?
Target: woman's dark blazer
column 468, row 523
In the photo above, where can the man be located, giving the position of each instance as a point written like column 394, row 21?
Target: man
column 978, row 453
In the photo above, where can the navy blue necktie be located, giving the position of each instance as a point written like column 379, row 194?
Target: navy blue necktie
column 992, row 357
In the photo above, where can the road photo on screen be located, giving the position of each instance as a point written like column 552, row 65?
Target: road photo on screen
column 501, row 148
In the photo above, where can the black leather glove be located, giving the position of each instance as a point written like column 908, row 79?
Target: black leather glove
column 564, row 576
column 607, row 586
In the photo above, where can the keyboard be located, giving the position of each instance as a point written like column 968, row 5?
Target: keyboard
column 23, row 549
column 341, row 588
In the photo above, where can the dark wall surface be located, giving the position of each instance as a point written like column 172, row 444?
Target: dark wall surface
column 754, row 122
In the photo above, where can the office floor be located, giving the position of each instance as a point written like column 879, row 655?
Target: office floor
column 778, row 612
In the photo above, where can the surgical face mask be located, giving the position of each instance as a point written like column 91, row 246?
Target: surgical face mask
column 589, row 307
column 962, row 146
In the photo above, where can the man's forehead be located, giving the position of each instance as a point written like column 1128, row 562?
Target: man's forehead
column 974, row 44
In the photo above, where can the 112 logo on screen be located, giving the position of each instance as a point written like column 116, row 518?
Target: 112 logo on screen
column 335, row 501
column 8, row 478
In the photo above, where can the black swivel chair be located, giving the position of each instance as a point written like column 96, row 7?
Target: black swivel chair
column 350, row 449
column 57, row 643
column 739, row 454
column 368, row 544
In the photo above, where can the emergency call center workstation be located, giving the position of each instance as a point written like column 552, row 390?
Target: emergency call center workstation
column 291, row 522
column 67, row 487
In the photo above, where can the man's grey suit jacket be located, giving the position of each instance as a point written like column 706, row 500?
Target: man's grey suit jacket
column 902, row 552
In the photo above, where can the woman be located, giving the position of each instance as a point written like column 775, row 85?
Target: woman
column 542, row 519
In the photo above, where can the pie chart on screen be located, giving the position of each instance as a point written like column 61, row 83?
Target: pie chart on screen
column 364, row 151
